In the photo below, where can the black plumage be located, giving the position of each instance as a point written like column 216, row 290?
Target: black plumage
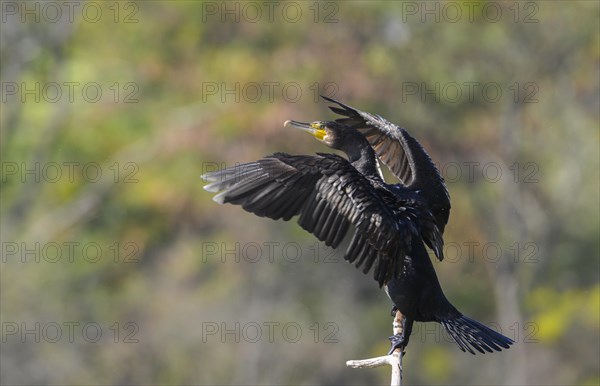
column 404, row 156
column 330, row 193
column 390, row 224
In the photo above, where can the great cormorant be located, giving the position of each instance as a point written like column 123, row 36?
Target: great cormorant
column 391, row 224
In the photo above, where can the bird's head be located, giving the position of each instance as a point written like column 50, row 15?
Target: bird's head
column 331, row 133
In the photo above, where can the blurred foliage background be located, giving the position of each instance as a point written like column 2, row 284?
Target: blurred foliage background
column 117, row 268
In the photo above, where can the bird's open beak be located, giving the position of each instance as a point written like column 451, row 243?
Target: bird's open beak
column 314, row 128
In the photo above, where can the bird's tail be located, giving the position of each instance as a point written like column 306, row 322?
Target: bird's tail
column 469, row 334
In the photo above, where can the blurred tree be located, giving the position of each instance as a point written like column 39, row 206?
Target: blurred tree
column 487, row 87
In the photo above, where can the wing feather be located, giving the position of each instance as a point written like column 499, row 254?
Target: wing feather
column 403, row 155
column 329, row 195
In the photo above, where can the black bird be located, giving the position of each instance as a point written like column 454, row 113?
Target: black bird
column 391, row 223
column 416, row 292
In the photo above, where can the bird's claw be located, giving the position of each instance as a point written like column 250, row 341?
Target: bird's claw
column 397, row 341
column 393, row 312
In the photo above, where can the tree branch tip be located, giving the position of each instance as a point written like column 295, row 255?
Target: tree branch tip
column 392, row 360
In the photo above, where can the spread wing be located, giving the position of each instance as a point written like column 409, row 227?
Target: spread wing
column 329, row 195
column 403, row 155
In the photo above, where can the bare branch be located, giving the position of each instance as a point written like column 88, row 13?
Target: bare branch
column 394, row 359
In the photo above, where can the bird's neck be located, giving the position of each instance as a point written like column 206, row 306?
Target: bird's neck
column 362, row 157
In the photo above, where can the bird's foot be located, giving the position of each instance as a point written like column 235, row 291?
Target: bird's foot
column 393, row 312
column 397, row 341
